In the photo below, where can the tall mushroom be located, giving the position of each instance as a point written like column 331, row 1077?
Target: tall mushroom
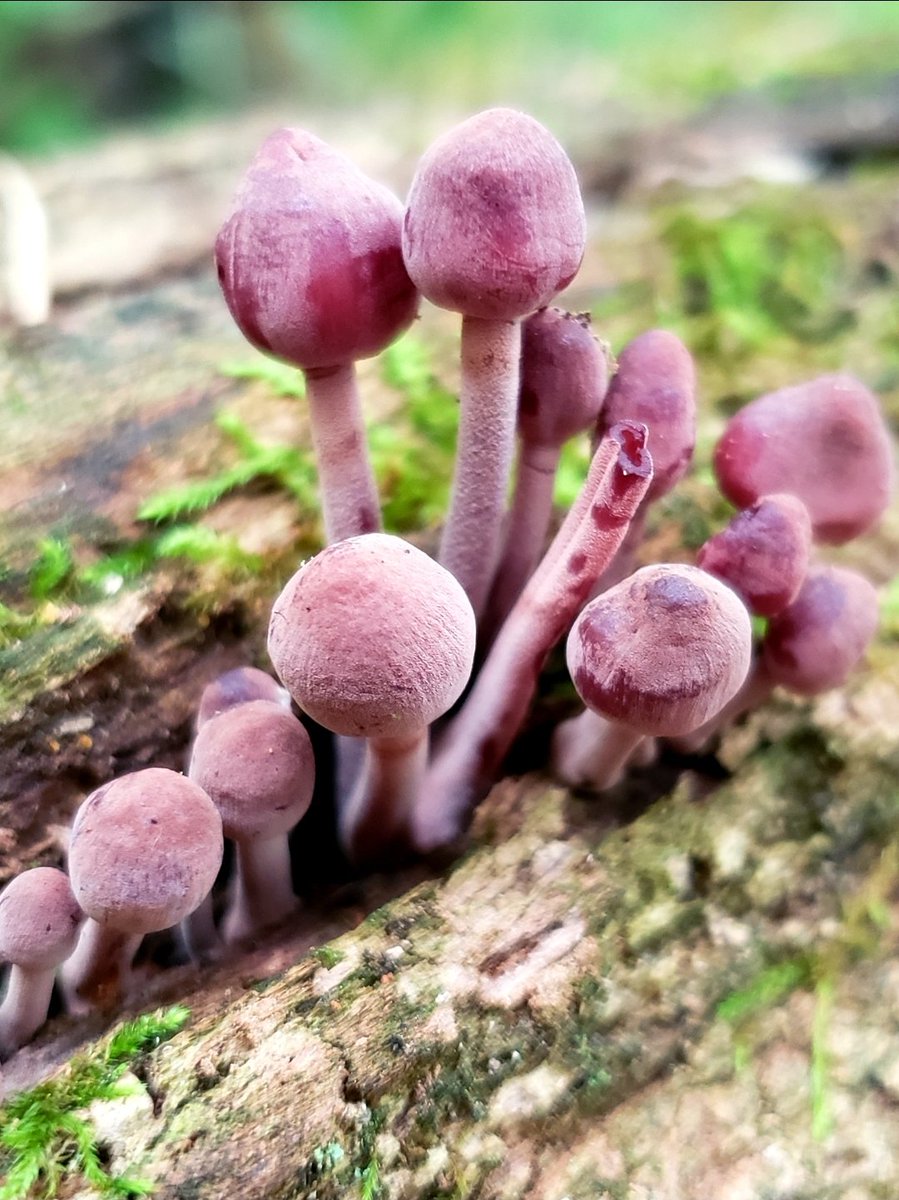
column 39, row 919
column 145, row 850
column 312, row 270
column 255, row 763
column 655, row 655
column 494, row 229
column 374, row 639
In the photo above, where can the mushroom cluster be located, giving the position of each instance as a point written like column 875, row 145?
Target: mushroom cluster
column 425, row 669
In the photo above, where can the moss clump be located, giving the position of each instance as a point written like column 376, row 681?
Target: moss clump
column 44, row 1135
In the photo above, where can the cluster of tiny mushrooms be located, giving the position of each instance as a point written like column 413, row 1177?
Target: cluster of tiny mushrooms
column 378, row 642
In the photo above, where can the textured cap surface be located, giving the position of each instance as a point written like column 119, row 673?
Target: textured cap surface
column 240, row 686
column 662, row 651
column 564, row 375
column 373, row 638
column 495, row 224
column 39, row 919
column 255, row 762
column 145, row 851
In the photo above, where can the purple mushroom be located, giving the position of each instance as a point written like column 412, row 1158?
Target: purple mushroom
column 374, row 639
column 39, row 919
column 656, row 655
column 312, row 269
column 494, row 229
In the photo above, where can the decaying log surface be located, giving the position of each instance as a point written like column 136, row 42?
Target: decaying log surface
column 700, row 1001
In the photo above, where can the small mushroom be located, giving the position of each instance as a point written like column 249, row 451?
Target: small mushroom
column 255, row 763
column 656, row 655
column 564, row 375
column 494, row 229
column 144, row 852
column 762, row 553
column 824, row 441
column 39, row 919
column 374, row 639
column 242, row 685
column 312, row 270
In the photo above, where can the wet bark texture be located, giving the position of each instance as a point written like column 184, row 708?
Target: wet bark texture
column 686, row 989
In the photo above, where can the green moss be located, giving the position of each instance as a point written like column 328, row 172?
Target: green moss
column 45, row 1136
column 328, row 956
column 52, row 568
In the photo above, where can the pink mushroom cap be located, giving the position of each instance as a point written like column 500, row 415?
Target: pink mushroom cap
column 39, row 919
column 495, row 224
column 763, row 553
column 256, row 764
column 816, row 643
column 145, row 851
column 564, row 376
column 662, row 651
column 310, row 259
column 655, row 384
column 372, row 638
column 825, row 441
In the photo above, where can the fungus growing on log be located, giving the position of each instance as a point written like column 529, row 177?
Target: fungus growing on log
column 374, row 639
column 311, row 266
column 144, row 852
column 656, row 655
column 39, row 919
column 494, row 229
column 255, row 763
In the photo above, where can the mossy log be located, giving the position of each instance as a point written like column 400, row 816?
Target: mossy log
column 687, row 989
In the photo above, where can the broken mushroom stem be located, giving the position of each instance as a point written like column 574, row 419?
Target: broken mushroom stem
column 475, row 743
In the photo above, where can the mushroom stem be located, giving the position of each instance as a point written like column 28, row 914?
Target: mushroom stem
column 199, row 934
column 376, row 816
column 263, row 894
column 489, row 401
column 525, row 531
column 591, row 751
column 478, row 739
column 92, row 977
column 24, row 1007
column 25, row 242
column 349, row 496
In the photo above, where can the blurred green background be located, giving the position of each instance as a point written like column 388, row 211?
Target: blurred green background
column 70, row 70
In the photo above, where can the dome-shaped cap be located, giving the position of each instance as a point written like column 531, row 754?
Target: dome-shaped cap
column 662, row 651
column 564, row 375
column 372, row 638
column 145, row 851
column 310, row 259
column 242, row 685
column 255, row 763
column 39, row 919
column 495, row 224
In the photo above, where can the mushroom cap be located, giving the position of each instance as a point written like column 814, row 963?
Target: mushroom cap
column 310, row 260
column 240, row 686
column 564, row 375
column 825, row 441
column 663, row 651
column 816, row 643
column 39, row 919
column 255, row 763
column 372, row 638
column 495, row 224
column 763, row 553
column 655, row 384
column 145, row 851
